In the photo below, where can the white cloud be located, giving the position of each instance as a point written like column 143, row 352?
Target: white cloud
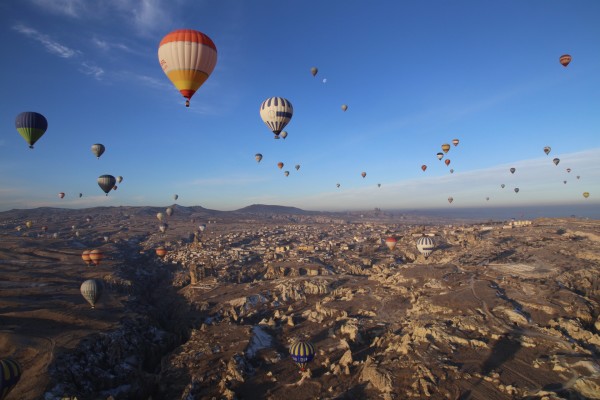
column 92, row 70
column 71, row 8
column 51, row 45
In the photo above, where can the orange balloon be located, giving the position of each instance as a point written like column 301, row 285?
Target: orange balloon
column 96, row 256
column 565, row 59
column 423, row 167
column 161, row 251
column 86, row 257
column 447, row 161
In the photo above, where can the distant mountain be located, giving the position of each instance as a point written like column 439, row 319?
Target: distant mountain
column 271, row 209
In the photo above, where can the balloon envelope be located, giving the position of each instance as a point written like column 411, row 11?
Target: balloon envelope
column 445, row 147
column 297, row 167
column 161, row 251
column 286, row 173
column 565, row 59
column 450, row 200
column 391, row 242
column 516, row 190
column 556, row 161
column 423, row 167
column 586, row 194
column 106, row 183
column 455, row 142
column 512, row 170
column 258, row 157
column 344, row 107
column 363, row 174
column 314, row 71
column 302, row 353
column 447, row 162
column 187, row 57
column 119, row 179
column 502, row 186
column 61, row 195
column 98, row 149
column 169, row 211
column 10, row 374
column 96, row 256
column 440, row 156
column 91, row 290
column 276, row 112
column 425, row 245
column 31, row 126
column 547, row 150
column 279, row 165
column 85, row 256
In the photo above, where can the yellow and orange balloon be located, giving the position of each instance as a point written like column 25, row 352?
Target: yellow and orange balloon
column 187, row 57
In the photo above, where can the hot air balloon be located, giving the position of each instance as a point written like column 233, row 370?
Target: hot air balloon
column 363, row 174
column 337, row 185
column 276, row 112
column 565, row 59
column 423, row 167
column 115, row 187
column 391, row 242
column 28, row 224
column 450, row 199
column 280, row 165
column 512, row 170
column 80, row 195
column 297, row 167
column 160, row 216
column 487, row 199
column 88, row 219
column 286, row 173
column 44, row 228
column 455, row 142
column 258, row 157
column 451, row 170
column 61, row 195
column 314, row 71
column 96, row 256
column 119, row 179
column 502, row 186
column 425, row 245
column 105, row 238
column 283, row 134
column 568, row 170
column 202, row 227
column 578, row 176
column 91, row 290
column 31, row 126
column 169, row 211
column 547, row 150
column 516, row 190
column 379, row 185
column 175, row 196
column 344, row 107
column 302, row 353
column 10, row 373
column 161, row 251
column 565, row 182
column 163, row 228
column 586, row 194
column 106, row 183
column 445, row 148
column 556, row 161
column 187, row 57
column 447, row 161
column 98, row 149
column 440, row 156
column 86, row 257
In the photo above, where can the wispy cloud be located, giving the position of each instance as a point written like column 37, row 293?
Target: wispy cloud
column 92, row 70
column 51, row 45
column 71, row 8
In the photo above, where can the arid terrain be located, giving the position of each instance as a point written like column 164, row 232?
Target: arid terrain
column 499, row 310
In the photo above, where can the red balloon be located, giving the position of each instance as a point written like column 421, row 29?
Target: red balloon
column 447, row 161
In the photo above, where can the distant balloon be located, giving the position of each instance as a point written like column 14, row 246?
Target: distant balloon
column 283, row 134
column 440, row 156
column 258, row 157
column 568, row 170
column 565, row 182
column 98, row 149
column 297, row 167
column 115, row 187
column 502, row 186
column 276, row 112
column 175, row 196
column 487, row 199
column 423, row 167
column 28, row 224
column 202, row 227
column 44, row 228
column 425, row 245
column 161, row 251
column 61, row 195
column 447, row 161
column 96, row 256
column 187, row 57
column 547, row 150
column 337, row 184
column 363, row 174
column 445, row 148
column 106, row 183
column 379, row 185
column 512, row 170
column 565, row 59
column 450, row 199
column 163, row 228
column 31, row 126
column 280, row 165
column 578, row 177
column 451, row 170
column 302, row 353
column 455, row 142
column 286, row 173
column 85, row 256
column 169, row 211
column 314, row 71
column 556, row 161
column 10, row 374
column 91, row 290
column 160, row 216
column 391, row 242
column 516, row 190
column 344, row 107
column 586, row 194
column 119, row 179
column 80, row 195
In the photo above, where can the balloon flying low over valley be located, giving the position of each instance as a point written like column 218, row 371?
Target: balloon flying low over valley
column 364, row 103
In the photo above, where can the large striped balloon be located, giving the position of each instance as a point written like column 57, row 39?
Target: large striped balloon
column 276, row 112
column 302, row 353
column 31, row 126
column 188, row 57
column 91, row 291
column 10, row 373
column 106, row 183
column 425, row 245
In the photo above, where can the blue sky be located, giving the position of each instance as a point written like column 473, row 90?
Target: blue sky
column 414, row 74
